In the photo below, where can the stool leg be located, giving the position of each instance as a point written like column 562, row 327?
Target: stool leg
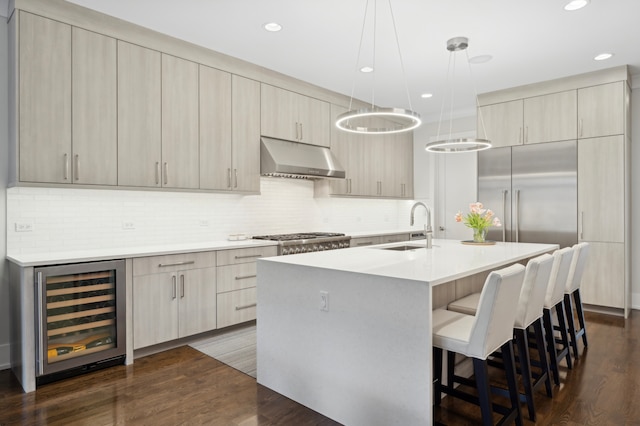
column 583, row 328
column 544, row 362
column 551, row 345
column 568, row 308
column 563, row 333
column 510, row 369
column 525, row 369
column 481, row 373
column 451, row 365
column 437, row 375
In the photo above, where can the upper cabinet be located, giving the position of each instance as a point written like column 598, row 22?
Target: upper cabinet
column 501, row 123
column 550, row 118
column 180, row 144
column 291, row 116
column 139, row 116
column 44, row 53
column 245, row 132
column 601, row 110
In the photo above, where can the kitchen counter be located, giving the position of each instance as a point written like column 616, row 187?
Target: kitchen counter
column 348, row 332
column 75, row 256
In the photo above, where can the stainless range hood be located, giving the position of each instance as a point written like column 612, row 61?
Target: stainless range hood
column 297, row 160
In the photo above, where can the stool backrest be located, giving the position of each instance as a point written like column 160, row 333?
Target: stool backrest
column 493, row 324
column 534, row 290
column 581, row 252
column 559, row 274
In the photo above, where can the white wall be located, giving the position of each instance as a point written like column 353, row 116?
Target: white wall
column 4, row 172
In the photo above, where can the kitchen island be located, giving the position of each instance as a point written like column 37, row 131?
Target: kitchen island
column 348, row 332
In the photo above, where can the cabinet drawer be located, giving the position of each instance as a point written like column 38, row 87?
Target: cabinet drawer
column 237, row 306
column 394, row 238
column 245, row 255
column 173, row 262
column 236, row 277
column 365, row 241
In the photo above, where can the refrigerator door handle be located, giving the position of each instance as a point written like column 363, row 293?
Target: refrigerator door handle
column 581, row 225
column 517, row 215
column 504, row 215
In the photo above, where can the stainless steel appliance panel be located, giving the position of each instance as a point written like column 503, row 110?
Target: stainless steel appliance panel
column 533, row 190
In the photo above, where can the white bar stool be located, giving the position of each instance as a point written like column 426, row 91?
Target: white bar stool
column 528, row 314
column 581, row 252
column 478, row 337
column 555, row 300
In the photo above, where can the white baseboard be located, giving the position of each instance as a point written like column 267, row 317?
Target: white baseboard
column 5, row 357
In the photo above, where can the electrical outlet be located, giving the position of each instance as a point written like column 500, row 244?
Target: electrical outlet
column 24, row 227
column 324, row 301
column 128, row 225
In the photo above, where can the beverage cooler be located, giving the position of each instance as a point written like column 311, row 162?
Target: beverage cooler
column 80, row 318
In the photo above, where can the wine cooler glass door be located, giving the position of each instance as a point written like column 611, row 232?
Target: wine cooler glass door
column 81, row 315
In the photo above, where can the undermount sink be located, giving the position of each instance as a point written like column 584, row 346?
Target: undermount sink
column 402, row 248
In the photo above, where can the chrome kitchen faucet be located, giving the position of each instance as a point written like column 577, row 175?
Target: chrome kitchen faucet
column 428, row 231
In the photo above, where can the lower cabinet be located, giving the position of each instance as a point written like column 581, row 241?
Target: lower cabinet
column 174, row 296
column 603, row 281
column 379, row 239
column 236, row 277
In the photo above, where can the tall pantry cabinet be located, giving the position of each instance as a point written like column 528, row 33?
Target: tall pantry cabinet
column 593, row 109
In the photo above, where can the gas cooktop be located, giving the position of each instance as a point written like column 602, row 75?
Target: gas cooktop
column 300, row 236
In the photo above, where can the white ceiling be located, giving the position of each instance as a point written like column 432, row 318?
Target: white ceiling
column 530, row 41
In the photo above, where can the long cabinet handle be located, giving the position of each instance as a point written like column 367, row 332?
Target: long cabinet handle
column 580, row 131
column 166, row 172
column 582, row 225
column 186, row 262
column 245, row 277
column 228, row 178
column 517, row 216
column 248, row 256
column 157, row 173
column 173, row 285
column 235, row 177
column 182, row 286
column 241, row 307
column 520, row 135
column 526, row 134
column 76, row 167
column 40, row 326
column 66, row 166
column 301, row 134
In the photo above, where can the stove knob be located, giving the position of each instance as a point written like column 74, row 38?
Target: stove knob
column 297, row 250
column 334, row 246
column 303, row 249
column 285, row 251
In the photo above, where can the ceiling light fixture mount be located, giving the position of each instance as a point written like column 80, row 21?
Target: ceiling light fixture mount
column 456, row 145
column 575, row 5
column 374, row 119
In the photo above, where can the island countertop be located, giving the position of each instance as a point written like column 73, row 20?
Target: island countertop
column 448, row 260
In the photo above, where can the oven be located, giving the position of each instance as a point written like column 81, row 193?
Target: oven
column 307, row 242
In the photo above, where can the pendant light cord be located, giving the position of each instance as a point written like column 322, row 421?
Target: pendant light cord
column 404, row 75
column 355, row 69
column 475, row 92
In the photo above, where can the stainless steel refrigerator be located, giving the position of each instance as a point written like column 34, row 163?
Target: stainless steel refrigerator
column 533, row 190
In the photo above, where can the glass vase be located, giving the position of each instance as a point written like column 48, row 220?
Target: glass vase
column 479, row 235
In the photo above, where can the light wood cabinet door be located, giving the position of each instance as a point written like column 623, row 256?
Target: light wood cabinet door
column 139, row 116
column 197, row 301
column 603, row 282
column 245, row 132
column 315, row 121
column 601, row 189
column 398, row 161
column 601, row 110
column 45, row 100
column 341, row 143
column 215, row 129
column 155, row 309
column 503, row 123
column 278, row 113
column 551, row 118
column 180, row 139
column 95, row 127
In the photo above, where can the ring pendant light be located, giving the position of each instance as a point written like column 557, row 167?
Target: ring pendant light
column 456, row 145
column 374, row 119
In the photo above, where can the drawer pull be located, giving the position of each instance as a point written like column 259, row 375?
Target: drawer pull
column 186, row 262
column 248, row 256
column 251, row 305
column 245, row 277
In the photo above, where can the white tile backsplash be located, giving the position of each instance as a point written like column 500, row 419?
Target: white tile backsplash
column 76, row 219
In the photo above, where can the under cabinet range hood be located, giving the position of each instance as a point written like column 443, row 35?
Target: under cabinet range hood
column 298, row 160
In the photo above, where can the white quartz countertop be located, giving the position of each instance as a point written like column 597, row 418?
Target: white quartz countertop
column 73, row 256
column 446, row 261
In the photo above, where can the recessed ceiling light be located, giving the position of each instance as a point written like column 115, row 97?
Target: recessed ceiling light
column 480, row 59
column 366, row 69
column 603, row 56
column 273, row 27
column 426, row 95
column 575, row 5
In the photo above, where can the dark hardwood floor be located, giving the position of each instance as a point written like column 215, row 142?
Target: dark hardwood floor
column 183, row 386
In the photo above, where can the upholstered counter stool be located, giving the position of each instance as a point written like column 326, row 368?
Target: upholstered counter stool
column 478, row 337
column 572, row 290
column 528, row 315
column 554, row 300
